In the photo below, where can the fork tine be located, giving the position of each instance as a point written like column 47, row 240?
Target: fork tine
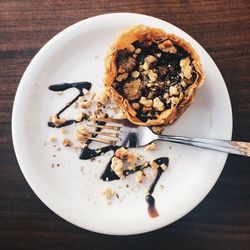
column 110, row 127
column 110, row 142
column 114, row 134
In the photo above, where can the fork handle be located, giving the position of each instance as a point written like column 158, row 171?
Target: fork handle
column 233, row 147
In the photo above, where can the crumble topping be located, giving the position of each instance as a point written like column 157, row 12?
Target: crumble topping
column 153, row 76
column 167, row 46
column 132, row 89
column 186, row 68
column 158, row 104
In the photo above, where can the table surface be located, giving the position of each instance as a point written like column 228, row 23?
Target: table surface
column 222, row 219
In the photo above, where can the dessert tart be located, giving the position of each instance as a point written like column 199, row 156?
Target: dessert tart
column 152, row 75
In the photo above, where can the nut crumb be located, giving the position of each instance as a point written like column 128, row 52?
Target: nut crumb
column 57, row 121
column 63, row 130
column 117, row 166
column 158, row 104
column 163, row 166
column 135, row 74
column 186, row 68
column 108, row 193
column 167, row 46
column 157, row 129
column 79, row 117
column 139, row 176
column 82, row 133
column 122, row 77
column 101, row 99
column 145, row 102
column 153, row 165
column 131, row 48
column 52, row 138
column 151, row 146
column 67, row 142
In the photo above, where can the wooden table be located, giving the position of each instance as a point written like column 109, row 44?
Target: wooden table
column 222, row 220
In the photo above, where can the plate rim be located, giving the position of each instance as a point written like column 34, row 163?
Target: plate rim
column 14, row 126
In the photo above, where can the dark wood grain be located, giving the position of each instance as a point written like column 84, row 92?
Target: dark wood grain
column 222, row 220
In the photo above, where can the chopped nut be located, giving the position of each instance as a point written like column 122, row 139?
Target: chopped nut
column 63, row 130
column 181, row 75
column 67, row 142
column 101, row 98
column 122, row 77
column 121, row 153
column 135, row 74
column 84, row 103
column 149, row 61
column 136, row 105
column 153, row 165
column 117, row 166
column 149, row 147
column 145, row 102
column 158, row 55
column 166, row 96
column 131, row 157
column 82, row 133
column 85, row 91
column 157, row 129
column 79, row 117
column 52, row 138
column 173, row 91
column 174, row 101
column 138, row 51
column 57, row 121
column 139, row 176
column 132, row 89
column 108, row 193
column 152, row 76
column 183, row 84
column 163, row 166
column 158, row 104
column 131, row 48
column 186, row 68
column 167, row 46
column 145, row 66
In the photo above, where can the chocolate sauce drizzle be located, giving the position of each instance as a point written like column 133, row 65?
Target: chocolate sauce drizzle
column 62, row 87
column 88, row 153
column 109, row 175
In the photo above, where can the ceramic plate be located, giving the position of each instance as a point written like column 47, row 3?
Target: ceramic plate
column 72, row 188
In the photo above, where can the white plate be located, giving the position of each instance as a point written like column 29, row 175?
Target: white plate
column 73, row 190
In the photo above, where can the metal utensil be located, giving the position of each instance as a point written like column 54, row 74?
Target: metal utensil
column 128, row 135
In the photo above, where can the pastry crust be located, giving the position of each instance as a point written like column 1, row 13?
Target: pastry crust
column 144, row 33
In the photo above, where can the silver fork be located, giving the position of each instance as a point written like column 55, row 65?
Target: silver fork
column 127, row 135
